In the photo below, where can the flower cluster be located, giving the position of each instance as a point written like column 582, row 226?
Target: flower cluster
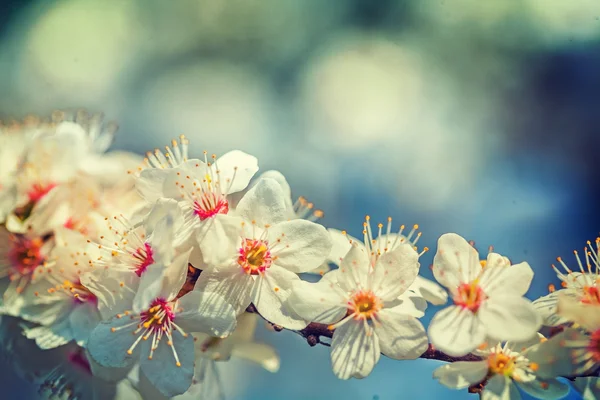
column 134, row 278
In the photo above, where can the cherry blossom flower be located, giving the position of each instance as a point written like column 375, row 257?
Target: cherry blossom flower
column 421, row 288
column 67, row 310
column 503, row 369
column 488, row 301
column 24, row 249
column 361, row 304
column 157, row 333
column 211, row 356
column 202, row 187
column 143, row 249
column 583, row 285
column 255, row 258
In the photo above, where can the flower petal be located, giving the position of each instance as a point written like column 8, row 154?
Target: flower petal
column 514, row 279
column 586, row 315
column 174, row 276
column 321, row 302
column 500, row 387
column 395, row 271
column 354, row 268
column 150, row 183
column 401, row 337
column 259, row 353
column 456, row 331
column 83, row 320
column 162, row 370
column 206, row 312
column 219, row 239
column 461, row 374
column 546, row 306
column 509, row 318
column 354, row 353
column 264, row 203
column 235, row 169
column 109, row 348
column 456, row 261
column 430, row 291
column 234, row 286
column 50, row 337
column 299, row 245
column 269, row 295
column 550, row 389
column 340, row 246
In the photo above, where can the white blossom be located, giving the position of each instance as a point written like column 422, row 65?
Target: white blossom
column 157, row 333
column 488, row 300
column 254, row 258
column 583, row 285
column 361, row 304
column 503, row 368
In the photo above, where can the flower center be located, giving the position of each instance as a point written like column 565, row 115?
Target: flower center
column 255, row 256
column 500, row 363
column 209, row 204
column 469, row 296
column 591, row 295
column 39, row 190
column 158, row 315
column 364, row 305
column 24, row 254
column 80, row 293
column 144, row 258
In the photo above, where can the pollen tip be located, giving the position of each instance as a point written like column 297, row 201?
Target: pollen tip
column 178, row 364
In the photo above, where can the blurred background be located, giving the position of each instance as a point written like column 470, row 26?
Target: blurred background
column 481, row 118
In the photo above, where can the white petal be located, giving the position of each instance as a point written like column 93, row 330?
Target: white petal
column 269, row 295
column 553, row 356
column 83, row 320
column 409, row 304
column 500, row 387
column 299, row 245
column 262, row 354
column 395, row 271
column 550, row 389
column 546, row 306
column 174, row 276
column 509, row 318
column 114, row 290
column 219, row 239
column 430, row 291
column 353, row 352
column 162, row 224
column 401, row 337
column 354, row 268
column 236, row 168
column 162, row 370
column 340, row 246
column 285, row 187
column 586, row 315
column 149, row 288
column 456, row 261
column 206, row 312
column 108, row 348
column 264, row 203
column 461, row 374
column 149, row 184
column 456, row 331
column 234, row 286
column 50, row 337
column 514, row 279
column 321, row 302
column 588, row 387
